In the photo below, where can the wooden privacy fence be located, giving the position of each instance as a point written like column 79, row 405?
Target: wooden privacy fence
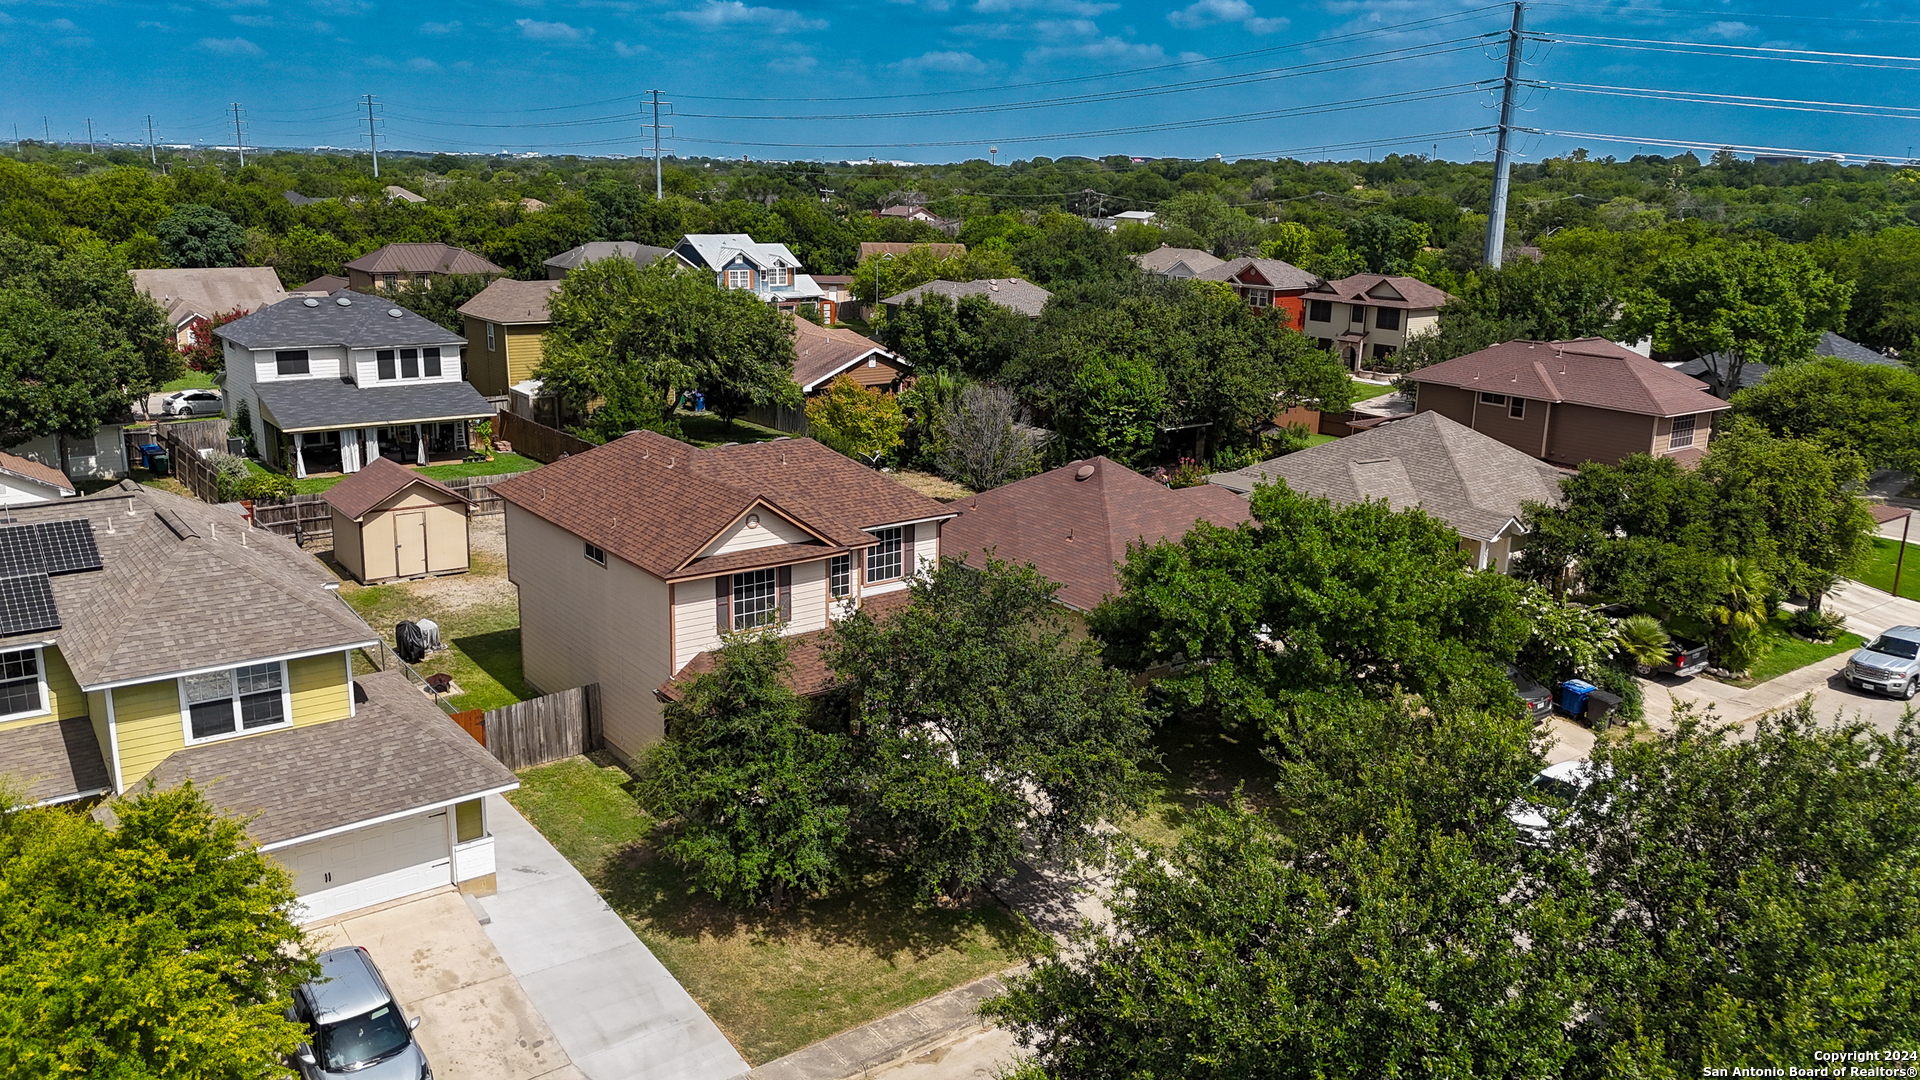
column 200, row 434
column 188, row 466
column 536, row 440
column 304, row 518
column 535, row 732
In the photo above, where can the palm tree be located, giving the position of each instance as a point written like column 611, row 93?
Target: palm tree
column 1643, row 638
column 1739, row 611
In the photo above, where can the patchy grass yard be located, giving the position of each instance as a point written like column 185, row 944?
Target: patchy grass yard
column 773, row 981
column 192, row 380
column 499, row 466
column 1879, row 570
column 1790, row 653
column 1199, row 766
column 933, row 487
column 707, row 429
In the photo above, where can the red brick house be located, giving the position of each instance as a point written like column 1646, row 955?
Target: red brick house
column 1266, row 283
column 1569, row 402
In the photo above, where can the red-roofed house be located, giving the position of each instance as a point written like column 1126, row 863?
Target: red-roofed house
column 1265, row 283
column 1569, row 402
column 633, row 559
column 1369, row 316
column 1075, row 522
column 822, row 354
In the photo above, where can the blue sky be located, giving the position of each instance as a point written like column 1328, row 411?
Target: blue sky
column 564, row 75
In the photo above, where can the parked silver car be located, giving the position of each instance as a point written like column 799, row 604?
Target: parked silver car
column 192, row 403
column 355, row 1027
column 1890, row 664
column 1554, row 796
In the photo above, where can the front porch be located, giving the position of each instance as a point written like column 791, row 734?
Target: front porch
column 344, row 451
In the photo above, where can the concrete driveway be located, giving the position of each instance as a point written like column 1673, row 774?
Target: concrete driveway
column 476, row 1023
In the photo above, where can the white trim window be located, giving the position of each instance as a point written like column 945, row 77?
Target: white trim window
column 756, row 595
column 1682, row 436
column 840, row 576
column 234, row 701
column 489, row 337
column 778, row 277
column 23, row 684
column 884, row 557
column 739, row 279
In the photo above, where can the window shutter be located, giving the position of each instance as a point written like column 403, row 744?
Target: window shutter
column 907, row 566
column 722, row 601
column 785, row 580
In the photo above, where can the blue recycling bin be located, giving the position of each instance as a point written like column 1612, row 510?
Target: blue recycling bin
column 1573, row 696
column 147, row 452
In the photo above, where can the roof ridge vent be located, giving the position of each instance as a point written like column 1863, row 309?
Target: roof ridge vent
column 174, row 522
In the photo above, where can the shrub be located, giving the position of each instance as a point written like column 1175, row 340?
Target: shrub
column 1190, row 474
column 1817, row 625
column 1615, row 679
column 1643, row 638
column 234, row 479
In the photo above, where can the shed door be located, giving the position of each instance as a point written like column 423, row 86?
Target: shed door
column 410, row 543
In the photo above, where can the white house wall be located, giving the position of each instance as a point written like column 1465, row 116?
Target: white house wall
column 322, row 363
column 772, row 531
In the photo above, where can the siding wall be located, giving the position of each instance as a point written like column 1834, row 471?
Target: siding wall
column 773, row 530
column 147, row 718
column 346, row 545
column 446, row 527
column 64, row 698
column 1582, row 433
column 322, row 363
column 1449, row 401
column 486, row 368
column 97, row 709
column 1663, row 433
column 809, row 598
column 581, row 623
column 320, row 689
column 524, row 352
column 1526, row 434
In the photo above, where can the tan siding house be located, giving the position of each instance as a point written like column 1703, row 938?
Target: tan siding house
column 391, row 523
column 504, row 322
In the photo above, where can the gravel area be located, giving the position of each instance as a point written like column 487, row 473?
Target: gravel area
column 484, row 585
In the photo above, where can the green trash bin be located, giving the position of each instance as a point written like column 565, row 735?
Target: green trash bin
column 160, row 464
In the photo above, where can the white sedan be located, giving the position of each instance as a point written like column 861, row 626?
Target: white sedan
column 192, row 403
column 1551, row 799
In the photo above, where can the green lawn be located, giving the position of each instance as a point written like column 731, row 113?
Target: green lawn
column 707, row 429
column 1317, row 439
column 483, row 640
column 1879, row 571
column 501, row 464
column 773, row 981
column 192, row 380
column 1791, row 653
column 1199, row 766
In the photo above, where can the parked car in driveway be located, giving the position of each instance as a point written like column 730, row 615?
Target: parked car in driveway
column 1889, row 664
column 1536, row 698
column 1553, row 797
column 355, row 1027
column 192, row 403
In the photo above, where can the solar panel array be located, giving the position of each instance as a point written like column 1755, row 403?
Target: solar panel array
column 26, row 605
column 48, row 547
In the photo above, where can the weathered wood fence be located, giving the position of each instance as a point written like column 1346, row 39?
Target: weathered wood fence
column 308, row 518
column 536, row 440
column 535, row 732
column 188, row 466
column 208, row 434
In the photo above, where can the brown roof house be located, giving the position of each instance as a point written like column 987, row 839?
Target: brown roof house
column 1266, row 283
column 1475, row 484
column 391, row 523
column 1022, row 296
column 387, row 267
column 822, row 354
column 504, row 322
column 1370, row 316
column 572, row 259
column 359, row 784
column 1073, row 524
column 635, row 558
column 191, row 296
column 23, row 480
column 1173, row 262
column 1569, row 402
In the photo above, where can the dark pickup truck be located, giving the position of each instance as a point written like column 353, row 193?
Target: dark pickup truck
column 1684, row 658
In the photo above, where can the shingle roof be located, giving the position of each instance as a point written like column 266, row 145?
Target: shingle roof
column 657, row 502
column 716, row 250
column 511, row 302
column 397, row 752
column 1474, row 483
column 1022, row 296
column 35, row 471
column 325, row 284
column 1385, row 290
column 1074, row 530
column 54, row 762
column 822, row 352
column 868, row 249
column 1277, row 274
column 1585, row 371
column 378, row 481
column 363, row 322
column 435, row 258
column 210, row 590
column 806, row 653
column 1832, row 344
column 323, row 404
column 575, row 258
column 1164, row 259
column 1754, row 372
column 209, row 292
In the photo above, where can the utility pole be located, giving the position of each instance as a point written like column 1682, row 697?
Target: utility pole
column 656, row 126
column 152, row 153
column 372, row 142
column 89, row 134
column 239, row 139
column 47, row 127
column 1502, row 158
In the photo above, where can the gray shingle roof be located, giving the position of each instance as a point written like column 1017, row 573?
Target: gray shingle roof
column 210, row 292
column 1022, row 296
column 1177, row 262
column 323, row 404
column 575, row 258
column 429, row 258
column 1754, row 372
column 54, row 762
column 1473, row 483
column 397, row 752
column 364, row 322
column 208, row 590
column 1275, row 272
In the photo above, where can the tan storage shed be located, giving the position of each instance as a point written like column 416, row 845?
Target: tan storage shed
column 390, row 523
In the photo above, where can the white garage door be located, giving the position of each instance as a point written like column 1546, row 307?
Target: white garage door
column 370, row 866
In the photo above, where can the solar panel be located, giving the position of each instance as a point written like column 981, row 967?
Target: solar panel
column 67, row 545
column 19, row 550
column 26, row 605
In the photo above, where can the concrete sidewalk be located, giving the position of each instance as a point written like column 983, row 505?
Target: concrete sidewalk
column 1868, row 610
column 926, row 1034
column 612, row 1006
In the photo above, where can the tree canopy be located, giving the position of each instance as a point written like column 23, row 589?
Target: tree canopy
column 1872, row 410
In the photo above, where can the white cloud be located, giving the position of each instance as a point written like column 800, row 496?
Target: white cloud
column 162, row 27
column 421, row 63
column 715, row 14
column 1730, row 30
column 440, row 27
column 65, row 25
column 1202, row 13
column 1082, row 8
column 255, row 21
column 1055, row 29
column 552, row 31
column 1110, row 48
column 1267, row 26
column 799, row 64
column 943, row 60
column 233, row 46
column 75, row 42
column 629, row 51
column 935, row 6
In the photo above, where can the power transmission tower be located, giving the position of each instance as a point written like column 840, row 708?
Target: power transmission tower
column 657, row 128
column 1502, row 159
column 89, row 134
column 371, row 138
column 239, row 138
column 152, row 153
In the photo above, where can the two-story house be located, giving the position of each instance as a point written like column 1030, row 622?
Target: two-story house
column 769, row 271
column 504, row 323
column 240, row 677
column 1370, row 316
column 385, row 268
column 330, row 384
column 1569, row 402
column 1266, row 283
column 634, row 560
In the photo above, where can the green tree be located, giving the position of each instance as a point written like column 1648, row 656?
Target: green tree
column 982, row 441
column 859, row 422
column 917, row 266
column 1884, row 268
column 983, row 724
column 439, row 301
column 200, row 236
column 975, row 336
column 1068, row 249
column 1556, row 298
column 160, row 946
column 1387, row 242
column 1872, row 410
column 751, row 794
column 1291, row 242
column 1806, row 498
column 1738, row 302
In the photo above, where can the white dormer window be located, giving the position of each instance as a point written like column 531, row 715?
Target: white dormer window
column 290, row 362
column 739, row 279
column 779, row 277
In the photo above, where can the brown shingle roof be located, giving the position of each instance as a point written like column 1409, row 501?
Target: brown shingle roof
column 1164, row 258
column 511, row 302
column 1585, row 371
column 1074, row 530
column 28, row 469
column 423, row 259
column 822, row 352
column 1384, row 290
column 657, row 502
column 212, row 291
column 1277, row 274
column 54, row 761
column 1022, row 296
column 377, row 481
column 868, row 249
column 806, row 652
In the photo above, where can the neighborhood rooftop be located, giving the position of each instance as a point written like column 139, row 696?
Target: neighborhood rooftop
column 377, row 481
column 1277, row 274
column 352, row 320
column 1381, row 290
column 512, row 303
column 1585, row 371
column 575, row 258
column 1022, row 296
column 822, row 352
column 423, row 259
column 212, row 291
